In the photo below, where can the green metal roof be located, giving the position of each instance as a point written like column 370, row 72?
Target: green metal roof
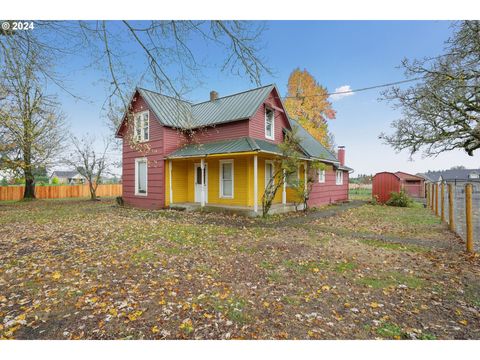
column 168, row 110
column 182, row 114
column 244, row 144
column 312, row 146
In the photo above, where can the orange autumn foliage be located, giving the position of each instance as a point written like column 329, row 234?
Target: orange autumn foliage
column 307, row 102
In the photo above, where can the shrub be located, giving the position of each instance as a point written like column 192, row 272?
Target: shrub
column 55, row 181
column 399, row 199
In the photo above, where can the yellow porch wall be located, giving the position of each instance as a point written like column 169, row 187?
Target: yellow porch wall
column 261, row 180
column 183, row 180
column 183, row 176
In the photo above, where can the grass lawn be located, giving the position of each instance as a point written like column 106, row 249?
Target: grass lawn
column 360, row 194
column 74, row 269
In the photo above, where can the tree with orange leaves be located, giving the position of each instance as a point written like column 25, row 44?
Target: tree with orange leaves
column 307, row 102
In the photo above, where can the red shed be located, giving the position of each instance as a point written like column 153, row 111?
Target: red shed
column 413, row 185
column 383, row 184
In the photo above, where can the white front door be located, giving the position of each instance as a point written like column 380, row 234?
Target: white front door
column 198, row 183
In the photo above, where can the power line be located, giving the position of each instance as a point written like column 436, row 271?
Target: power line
column 358, row 90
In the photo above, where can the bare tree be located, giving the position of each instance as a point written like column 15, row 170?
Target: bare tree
column 89, row 163
column 167, row 55
column 442, row 111
column 31, row 124
column 285, row 166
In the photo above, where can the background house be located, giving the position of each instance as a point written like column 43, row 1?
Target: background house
column 70, row 177
column 451, row 175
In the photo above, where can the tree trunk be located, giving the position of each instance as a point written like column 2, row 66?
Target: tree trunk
column 93, row 191
column 29, row 192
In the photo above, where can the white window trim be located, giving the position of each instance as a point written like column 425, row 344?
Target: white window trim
column 229, row 161
column 298, row 178
column 321, row 180
column 142, row 134
column 273, row 124
column 337, row 177
column 273, row 170
column 137, row 160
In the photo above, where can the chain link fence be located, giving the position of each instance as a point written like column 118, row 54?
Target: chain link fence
column 458, row 204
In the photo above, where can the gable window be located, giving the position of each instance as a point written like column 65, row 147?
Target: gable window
column 141, row 126
column 141, row 175
column 269, row 124
column 339, row 177
column 269, row 172
column 321, row 175
column 226, row 179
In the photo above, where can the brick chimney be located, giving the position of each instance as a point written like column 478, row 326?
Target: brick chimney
column 213, row 95
column 341, row 155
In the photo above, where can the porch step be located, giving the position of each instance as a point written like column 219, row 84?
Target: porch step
column 237, row 210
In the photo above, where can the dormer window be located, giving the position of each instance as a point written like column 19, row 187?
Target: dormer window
column 269, row 124
column 141, row 126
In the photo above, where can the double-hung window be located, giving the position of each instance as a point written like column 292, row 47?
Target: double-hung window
column 321, row 175
column 226, row 179
column 269, row 124
column 141, row 176
column 339, row 177
column 141, row 126
column 293, row 178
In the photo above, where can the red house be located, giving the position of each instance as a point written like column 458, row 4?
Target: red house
column 221, row 152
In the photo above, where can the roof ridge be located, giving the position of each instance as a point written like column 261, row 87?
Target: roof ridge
column 167, row 96
column 234, row 94
column 253, row 143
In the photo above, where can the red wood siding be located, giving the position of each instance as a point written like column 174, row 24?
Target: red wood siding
column 231, row 130
column 414, row 188
column 172, row 139
column 257, row 121
column 383, row 184
column 328, row 192
column 155, row 174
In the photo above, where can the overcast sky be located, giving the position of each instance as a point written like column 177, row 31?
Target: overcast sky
column 341, row 55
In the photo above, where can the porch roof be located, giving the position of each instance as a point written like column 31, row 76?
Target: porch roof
column 240, row 145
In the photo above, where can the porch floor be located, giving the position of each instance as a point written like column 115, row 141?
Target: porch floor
column 239, row 210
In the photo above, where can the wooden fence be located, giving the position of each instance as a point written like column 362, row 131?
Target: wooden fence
column 457, row 203
column 59, row 192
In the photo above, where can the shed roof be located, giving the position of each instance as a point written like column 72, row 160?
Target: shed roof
column 406, row 176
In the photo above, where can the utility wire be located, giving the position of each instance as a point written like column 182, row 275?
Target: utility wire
column 357, row 90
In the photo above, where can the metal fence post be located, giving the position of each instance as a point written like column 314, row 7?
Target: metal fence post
column 468, row 217
column 451, row 217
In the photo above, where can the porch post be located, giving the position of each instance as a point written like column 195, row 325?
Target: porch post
column 202, row 167
column 284, row 190
column 170, row 180
column 255, row 183
column 305, row 174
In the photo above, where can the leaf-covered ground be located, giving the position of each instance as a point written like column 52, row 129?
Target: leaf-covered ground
column 78, row 269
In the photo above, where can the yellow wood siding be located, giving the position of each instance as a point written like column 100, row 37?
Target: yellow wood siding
column 183, row 177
